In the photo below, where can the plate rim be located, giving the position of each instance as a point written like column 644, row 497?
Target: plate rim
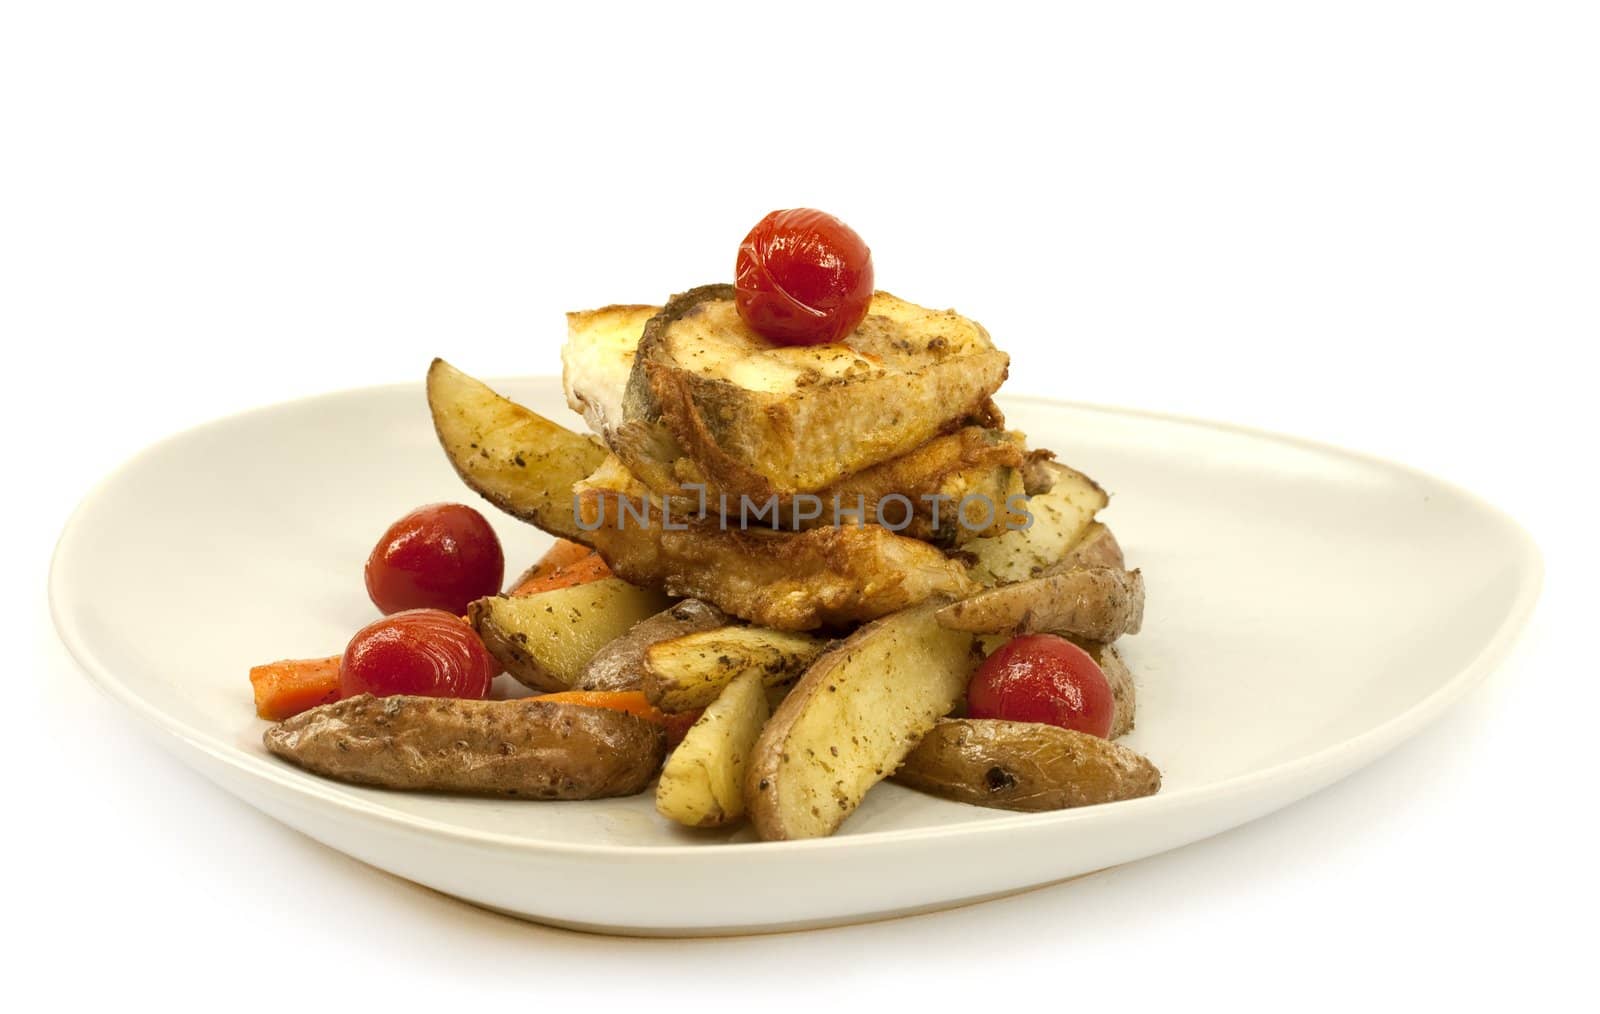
column 1376, row 740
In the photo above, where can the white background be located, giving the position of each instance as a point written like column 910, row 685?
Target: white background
column 1373, row 224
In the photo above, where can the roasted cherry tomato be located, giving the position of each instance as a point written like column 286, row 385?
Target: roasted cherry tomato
column 421, row 651
column 441, row 556
column 803, row 278
column 1043, row 678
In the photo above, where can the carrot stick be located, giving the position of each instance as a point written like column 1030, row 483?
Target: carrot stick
column 286, row 688
column 565, row 565
column 565, row 551
column 634, row 702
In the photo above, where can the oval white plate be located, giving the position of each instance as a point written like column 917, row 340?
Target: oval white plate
column 1308, row 609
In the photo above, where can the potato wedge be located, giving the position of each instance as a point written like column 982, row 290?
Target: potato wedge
column 620, row 665
column 851, row 720
column 702, row 784
column 1097, row 548
column 1061, row 518
column 526, row 749
column 1097, row 604
column 689, row 672
column 1123, row 692
column 1024, row 766
column 546, row 640
column 513, row 457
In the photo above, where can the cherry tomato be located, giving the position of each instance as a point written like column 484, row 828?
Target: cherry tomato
column 1043, row 678
column 421, row 651
column 803, row 278
column 441, row 556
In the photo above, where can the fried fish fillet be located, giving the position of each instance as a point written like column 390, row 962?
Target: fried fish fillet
column 758, row 419
column 827, row 576
column 980, row 459
column 596, row 360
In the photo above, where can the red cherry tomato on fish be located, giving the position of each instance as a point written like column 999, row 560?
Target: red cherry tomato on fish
column 1043, row 678
column 803, row 278
column 441, row 556
column 427, row 652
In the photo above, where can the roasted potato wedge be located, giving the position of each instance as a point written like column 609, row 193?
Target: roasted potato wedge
column 851, row 720
column 1097, row 604
column 620, row 665
column 1097, row 548
column 1123, row 692
column 763, row 420
column 1061, row 518
column 691, row 671
column 527, row 749
column 513, row 457
column 1024, row 766
column 546, row 640
column 702, row 784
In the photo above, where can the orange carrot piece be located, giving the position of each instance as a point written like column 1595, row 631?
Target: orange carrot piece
column 634, row 702
column 284, row 689
column 566, row 565
column 564, row 552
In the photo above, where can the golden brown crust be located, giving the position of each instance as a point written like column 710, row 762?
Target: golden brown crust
column 1024, row 766
column 805, row 437
column 525, row 749
column 933, row 479
column 785, row 580
column 973, row 461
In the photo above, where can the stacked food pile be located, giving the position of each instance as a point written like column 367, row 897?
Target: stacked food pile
column 814, row 545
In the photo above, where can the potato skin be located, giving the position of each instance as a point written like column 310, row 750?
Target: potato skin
column 1110, row 661
column 620, row 665
column 523, row 749
column 1024, row 766
column 1097, row 548
column 1097, row 604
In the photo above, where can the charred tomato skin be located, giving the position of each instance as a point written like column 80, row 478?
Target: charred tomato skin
column 803, row 278
column 427, row 652
column 441, row 556
column 1043, row 678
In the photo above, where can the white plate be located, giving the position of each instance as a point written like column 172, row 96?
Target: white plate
column 1308, row 609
